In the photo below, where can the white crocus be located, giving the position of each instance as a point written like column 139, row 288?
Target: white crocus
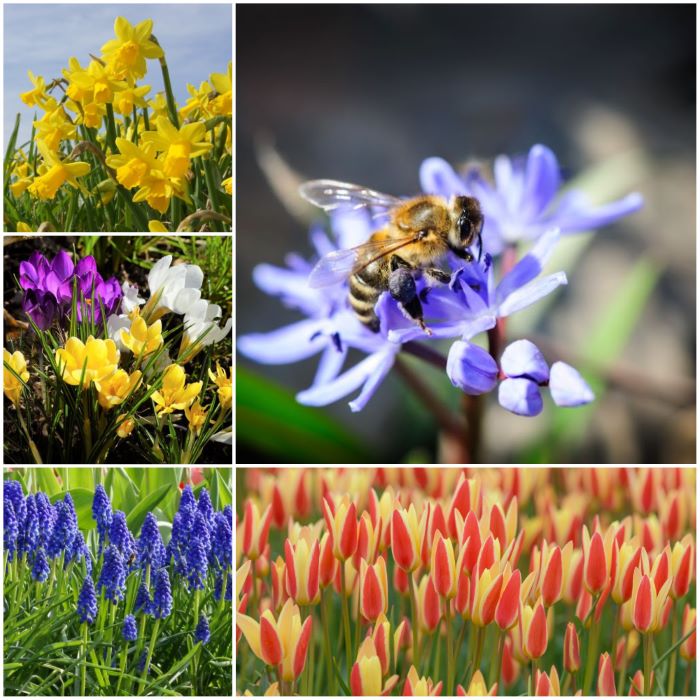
column 131, row 298
column 115, row 323
column 173, row 288
column 201, row 324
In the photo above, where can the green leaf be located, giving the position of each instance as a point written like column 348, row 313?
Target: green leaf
column 138, row 514
column 82, row 499
column 47, row 481
column 269, row 419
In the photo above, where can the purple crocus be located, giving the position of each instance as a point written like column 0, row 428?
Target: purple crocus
column 55, row 277
column 524, row 201
column 94, row 292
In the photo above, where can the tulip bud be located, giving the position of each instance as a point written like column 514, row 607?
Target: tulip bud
column 547, row 685
column 681, row 568
column 626, row 646
column 279, row 583
column 381, row 636
column 428, row 605
column 345, row 578
column 342, row 526
column 647, row 604
column 688, row 649
column 442, row 571
column 374, row 589
column 415, row 685
column 477, row 687
column 572, row 653
column 510, row 667
column 550, row 577
column 533, row 630
column 606, row 676
column 627, row 560
column 506, row 614
column 484, row 595
column 327, row 562
column 403, row 639
column 303, row 571
column 255, row 530
column 637, row 685
column 596, row 570
column 405, row 539
column 366, row 674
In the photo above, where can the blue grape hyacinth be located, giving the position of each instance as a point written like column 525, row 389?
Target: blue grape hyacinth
column 113, row 575
column 201, row 633
column 150, row 547
column 129, row 631
column 87, row 601
column 162, row 598
column 120, row 536
column 40, row 569
column 197, row 564
column 101, row 513
column 11, row 531
column 143, row 599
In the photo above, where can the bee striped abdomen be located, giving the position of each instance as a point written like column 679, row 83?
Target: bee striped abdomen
column 362, row 298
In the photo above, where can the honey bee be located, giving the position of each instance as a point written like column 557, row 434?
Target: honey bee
column 419, row 234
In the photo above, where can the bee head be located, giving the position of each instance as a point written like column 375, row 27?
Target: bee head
column 467, row 228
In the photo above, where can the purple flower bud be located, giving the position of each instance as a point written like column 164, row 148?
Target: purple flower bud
column 129, row 631
column 162, row 598
column 120, row 536
column 568, row 387
column 40, row 570
column 222, row 540
column 202, row 634
column 471, row 368
column 101, row 513
column 11, row 531
column 151, row 549
column 143, row 599
column 523, row 359
column 187, row 500
column 64, row 530
column 87, row 601
column 204, row 506
column 520, row 396
column 196, row 564
column 41, row 307
column 113, row 575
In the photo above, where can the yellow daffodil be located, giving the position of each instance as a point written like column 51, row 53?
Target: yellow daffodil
column 12, row 386
column 159, row 105
column 196, row 416
column 198, row 104
column 100, row 80
column 227, row 184
column 155, row 226
column 77, row 91
column 132, row 163
column 57, row 172
column 125, row 425
column 55, row 126
column 113, row 390
column 179, row 145
column 92, row 114
column 125, row 100
column 158, row 189
column 225, row 385
column 222, row 104
column 175, row 395
column 94, row 361
column 23, row 179
column 141, row 338
column 127, row 54
column 37, row 95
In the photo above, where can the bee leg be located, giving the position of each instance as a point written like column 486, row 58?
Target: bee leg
column 435, row 274
column 402, row 287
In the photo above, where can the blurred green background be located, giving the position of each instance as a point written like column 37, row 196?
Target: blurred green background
column 368, row 92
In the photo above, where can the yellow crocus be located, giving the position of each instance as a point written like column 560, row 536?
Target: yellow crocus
column 225, row 385
column 196, row 415
column 113, row 390
column 94, row 361
column 141, row 338
column 155, row 226
column 125, row 425
column 126, row 54
column 58, row 172
column 178, row 145
column 175, row 395
column 12, row 386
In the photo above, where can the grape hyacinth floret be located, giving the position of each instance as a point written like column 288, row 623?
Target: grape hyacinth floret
column 201, row 634
column 196, row 563
column 113, row 575
column 129, row 631
column 120, row 536
column 87, row 601
column 150, row 547
column 101, row 513
column 40, row 569
column 11, row 530
column 162, row 598
column 64, row 529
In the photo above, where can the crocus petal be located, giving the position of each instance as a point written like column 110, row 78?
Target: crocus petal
column 520, row 396
column 524, row 359
column 568, row 387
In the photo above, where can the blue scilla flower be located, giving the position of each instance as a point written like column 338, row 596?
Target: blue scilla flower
column 524, row 201
column 204, row 506
column 218, row 581
column 87, row 601
column 196, row 563
column 113, row 575
column 150, row 547
column 143, row 599
column 101, row 513
column 129, row 631
column 12, row 491
column 201, row 634
column 120, row 535
column 46, row 517
column 11, row 531
column 40, row 570
column 162, row 599
column 64, row 530
column 222, row 542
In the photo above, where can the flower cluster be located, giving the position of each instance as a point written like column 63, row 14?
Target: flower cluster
column 144, row 146
column 481, row 295
column 418, row 558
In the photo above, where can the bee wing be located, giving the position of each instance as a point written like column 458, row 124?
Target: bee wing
column 338, row 265
column 331, row 195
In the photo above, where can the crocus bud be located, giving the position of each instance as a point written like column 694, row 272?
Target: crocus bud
column 405, row 539
column 572, row 653
column 303, row 571
column 442, row 571
column 416, row 685
column 255, row 530
column 606, row 676
column 533, row 630
column 366, row 674
column 342, row 526
column 374, row 589
column 688, row 649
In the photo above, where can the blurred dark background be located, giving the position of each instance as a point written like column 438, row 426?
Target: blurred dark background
column 365, row 93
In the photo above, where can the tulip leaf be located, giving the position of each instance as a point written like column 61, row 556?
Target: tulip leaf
column 82, row 500
column 339, row 676
column 269, row 419
column 138, row 514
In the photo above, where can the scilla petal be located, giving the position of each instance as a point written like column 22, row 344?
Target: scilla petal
column 568, row 387
column 520, row 396
column 524, row 359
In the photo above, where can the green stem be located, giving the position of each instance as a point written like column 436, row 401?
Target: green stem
column 622, row 674
column 111, row 129
column 496, row 677
column 591, row 656
column 211, row 187
column 122, row 666
column 169, row 96
column 144, row 673
column 647, row 663
column 83, row 664
column 346, row 620
column 481, row 634
column 450, row 652
column 686, row 682
column 327, row 643
column 674, row 655
column 437, row 661
column 414, row 616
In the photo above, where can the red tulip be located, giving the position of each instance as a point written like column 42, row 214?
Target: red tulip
column 606, row 676
column 572, row 653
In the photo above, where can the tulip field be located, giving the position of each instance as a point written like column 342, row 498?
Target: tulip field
column 425, row 581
